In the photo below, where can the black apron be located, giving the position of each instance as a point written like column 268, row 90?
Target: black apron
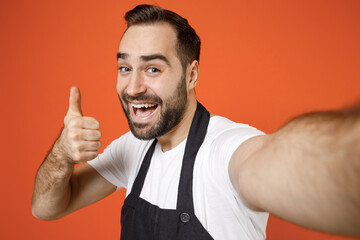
column 142, row 220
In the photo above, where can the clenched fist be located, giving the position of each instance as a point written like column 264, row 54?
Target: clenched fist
column 80, row 139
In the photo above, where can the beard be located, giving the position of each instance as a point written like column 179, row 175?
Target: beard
column 172, row 110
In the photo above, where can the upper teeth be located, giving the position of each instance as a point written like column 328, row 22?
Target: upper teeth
column 145, row 105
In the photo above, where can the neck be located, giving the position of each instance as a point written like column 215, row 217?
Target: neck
column 176, row 135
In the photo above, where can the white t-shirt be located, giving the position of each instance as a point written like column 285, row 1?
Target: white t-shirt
column 216, row 203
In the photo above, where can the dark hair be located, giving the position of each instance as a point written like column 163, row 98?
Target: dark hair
column 188, row 42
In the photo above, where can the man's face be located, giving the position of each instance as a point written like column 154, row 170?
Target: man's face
column 151, row 82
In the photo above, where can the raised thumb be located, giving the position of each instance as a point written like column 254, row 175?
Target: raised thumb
column 74, row 102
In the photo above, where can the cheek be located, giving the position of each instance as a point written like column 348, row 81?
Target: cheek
column 163, row 91
column 167, row 86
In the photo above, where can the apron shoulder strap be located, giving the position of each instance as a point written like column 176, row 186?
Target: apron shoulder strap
column 140, row 178
column 195, row 138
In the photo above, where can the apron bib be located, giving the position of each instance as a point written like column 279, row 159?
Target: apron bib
column 141, row 220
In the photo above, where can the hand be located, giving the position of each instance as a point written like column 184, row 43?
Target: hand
column 80, row 139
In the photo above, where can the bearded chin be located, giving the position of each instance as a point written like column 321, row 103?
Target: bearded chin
column 171, row 114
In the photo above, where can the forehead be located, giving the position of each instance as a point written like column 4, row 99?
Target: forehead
column 159, row 38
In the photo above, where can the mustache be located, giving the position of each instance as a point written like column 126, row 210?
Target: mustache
column 144, row 97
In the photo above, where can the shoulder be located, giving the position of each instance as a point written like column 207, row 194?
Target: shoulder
column 122, row 152
column 223, row 138
column 120, row 159
column 222, row 130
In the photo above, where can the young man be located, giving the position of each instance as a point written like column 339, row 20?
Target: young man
column 190, row 174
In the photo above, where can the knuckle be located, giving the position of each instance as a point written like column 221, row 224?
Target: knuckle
column 77, row 147
column 77, row 156
column 70, row 124
column 74, row 135
column 71, row 135
column 75, row 123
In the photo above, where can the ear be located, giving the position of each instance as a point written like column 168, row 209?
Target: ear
column 193, row 74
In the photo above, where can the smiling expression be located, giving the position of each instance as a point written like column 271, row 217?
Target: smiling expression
column 151, row 81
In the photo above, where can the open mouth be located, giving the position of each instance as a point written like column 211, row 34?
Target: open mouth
column 144, row 110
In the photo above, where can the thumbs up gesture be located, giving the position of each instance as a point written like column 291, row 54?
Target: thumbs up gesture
column 80, row 139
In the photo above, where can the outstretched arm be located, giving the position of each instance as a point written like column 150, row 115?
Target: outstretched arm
column 59, row 188
column 308, row 172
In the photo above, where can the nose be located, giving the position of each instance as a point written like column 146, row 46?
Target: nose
column 136, row 85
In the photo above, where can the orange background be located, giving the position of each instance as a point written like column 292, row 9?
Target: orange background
column 262, row 63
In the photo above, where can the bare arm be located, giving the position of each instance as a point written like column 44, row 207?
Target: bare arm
column 59, row 188
column 308, row 172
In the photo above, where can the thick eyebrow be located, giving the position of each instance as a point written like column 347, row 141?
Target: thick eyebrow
column 145, row 58
column 122, row 55
column 155, row 56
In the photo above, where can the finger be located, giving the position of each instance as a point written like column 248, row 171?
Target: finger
column 85, row 156
column 75, row 102
column 91, row 154
column 91, row 135
column 93, row 145
column 89, row 146
column 90, row 123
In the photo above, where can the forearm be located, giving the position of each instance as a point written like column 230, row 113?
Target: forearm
column 59, row 188
column 52, row 190
column 308, row 172
column 321, row 172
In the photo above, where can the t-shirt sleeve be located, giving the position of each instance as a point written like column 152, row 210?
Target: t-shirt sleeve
column 223, row 147
column 226, row 142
